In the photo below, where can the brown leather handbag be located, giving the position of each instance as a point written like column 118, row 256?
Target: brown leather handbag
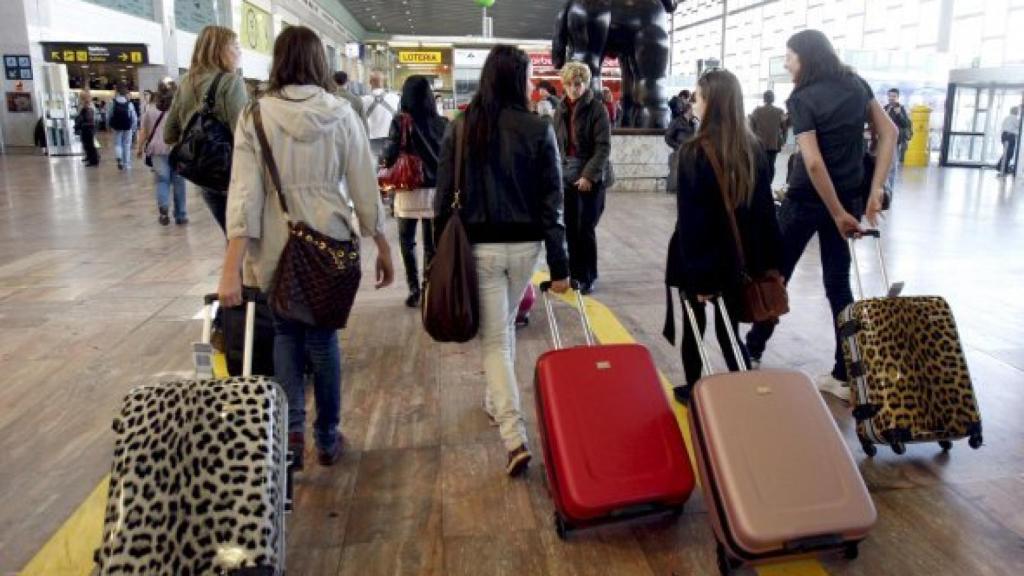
column 317, row 276
column 763, row 296
column 451, row 298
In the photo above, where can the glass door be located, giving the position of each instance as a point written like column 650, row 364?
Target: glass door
column 974, row 120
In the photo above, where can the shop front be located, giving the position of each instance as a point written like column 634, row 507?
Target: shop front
column 433, row 63
column 544, row 70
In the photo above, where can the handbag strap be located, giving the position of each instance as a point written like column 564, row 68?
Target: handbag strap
column 268, row 156
column 459, row 145
column 211, row 93
column 155, row 126
column 729, row 210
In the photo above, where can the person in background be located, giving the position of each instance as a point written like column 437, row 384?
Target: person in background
column 124, row 121
column 828, row 110
column 216, row 54
column 898, row 114
column 511, row 203
column 704, row 263
column 414, row 207
column 1011, row 136
column 317, row 142
column 86, row 124
column 584, row 138
column 769, row 125
column 679, row 131
column 341, row 80
column 166, row 179
column 548, row 93
column 439, row 104
column 101, row 114
column 381, row 106
column 609, row 104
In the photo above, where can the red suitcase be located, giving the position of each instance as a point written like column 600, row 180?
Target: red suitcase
column 778, row 478
column 612, row 446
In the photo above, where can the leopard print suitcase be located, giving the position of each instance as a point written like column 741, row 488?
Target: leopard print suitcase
column 198, row 483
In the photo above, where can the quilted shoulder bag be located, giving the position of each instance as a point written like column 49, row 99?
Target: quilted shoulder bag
column 406, row 173
column 317, row 276
column 763, row 296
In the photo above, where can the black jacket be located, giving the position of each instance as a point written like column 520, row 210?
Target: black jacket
column 702, row 253
column 679, row 130
column 513, row 193
column 593, row 135
column 898, row 114
column 426, row 144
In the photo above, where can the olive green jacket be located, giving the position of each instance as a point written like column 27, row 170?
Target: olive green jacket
column 231, row 97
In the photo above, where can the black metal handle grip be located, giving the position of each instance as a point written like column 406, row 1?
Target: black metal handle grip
column 546, row 285
column 249, row 294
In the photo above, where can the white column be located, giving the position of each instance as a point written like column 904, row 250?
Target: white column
column 18, row 127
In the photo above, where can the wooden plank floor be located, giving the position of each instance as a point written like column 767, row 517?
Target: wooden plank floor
column 96, row 298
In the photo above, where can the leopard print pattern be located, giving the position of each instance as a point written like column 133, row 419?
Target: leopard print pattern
column 914, row 367
column 198, row 479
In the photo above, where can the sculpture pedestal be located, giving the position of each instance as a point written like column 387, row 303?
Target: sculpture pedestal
column 640, row 160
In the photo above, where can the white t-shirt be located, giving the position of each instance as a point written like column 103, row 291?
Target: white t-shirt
column 1011, row 124
column 381, row 106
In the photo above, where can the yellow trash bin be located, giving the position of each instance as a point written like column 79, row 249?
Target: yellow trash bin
column 917, row 149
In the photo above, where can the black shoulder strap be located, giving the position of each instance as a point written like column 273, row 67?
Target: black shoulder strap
column 459, row 136
column 268, row 156
column 211, row 92
column 155, row 126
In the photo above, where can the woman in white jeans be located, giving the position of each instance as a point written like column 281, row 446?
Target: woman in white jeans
column 511, row 205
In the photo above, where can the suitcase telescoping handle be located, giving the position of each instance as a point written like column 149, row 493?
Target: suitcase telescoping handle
column 701, row 349
column 891, row 290
column 249, row 296
column 581, row 308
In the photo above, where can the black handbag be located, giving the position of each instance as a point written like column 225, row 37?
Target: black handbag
column 203, row 155
column 317, row 276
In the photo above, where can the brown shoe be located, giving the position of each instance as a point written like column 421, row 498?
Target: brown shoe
column 518, row 461
column 330, row 456
column 296, row 449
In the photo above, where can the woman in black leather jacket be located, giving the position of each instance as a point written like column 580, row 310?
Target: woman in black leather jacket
column 511, row 205
column 412, row 206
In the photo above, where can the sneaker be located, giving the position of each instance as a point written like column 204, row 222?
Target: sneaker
column 518, row 461
column 181, row 221
column 330, row 456
column 120, row 165
column 413, row 301
column 164, row 218
column 755, row 363
column 829, row 384
column 522, row 321
column 296, row 449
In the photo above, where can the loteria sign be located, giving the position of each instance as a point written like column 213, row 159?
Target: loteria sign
column 419, row 57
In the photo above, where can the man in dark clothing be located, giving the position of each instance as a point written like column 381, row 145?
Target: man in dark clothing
column 548, row 92
column 898, row 114
column 584, row 139
column 769, row 125
column 341, row 79
column 86, row 124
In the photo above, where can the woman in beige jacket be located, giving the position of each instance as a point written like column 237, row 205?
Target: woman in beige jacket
column 319, row 144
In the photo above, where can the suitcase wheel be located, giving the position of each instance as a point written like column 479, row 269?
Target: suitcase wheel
column 562, row 527
column 899, row 447
column 726, row 563
column 869, row 448
column 946, row 445
column 851, row 551
column 975, row 441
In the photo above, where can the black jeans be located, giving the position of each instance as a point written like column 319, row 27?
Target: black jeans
column 407, row 240
column 1007, row 164
column 772, row 155
column 690, row 354
column 217, row 202
column 799, row 222
column 92, row 156
column 583, row 211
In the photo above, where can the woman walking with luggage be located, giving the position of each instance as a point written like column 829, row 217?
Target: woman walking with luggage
column 723, row 176
column 215, row 58
column 511, row 203
column 422, row 128
column 827, row 111
column 316, row 141
column 159, row 152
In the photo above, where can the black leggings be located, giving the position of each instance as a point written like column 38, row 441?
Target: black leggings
column 691, row 356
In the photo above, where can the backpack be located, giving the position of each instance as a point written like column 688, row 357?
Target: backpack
column 378, row 100
column 203, row 155
column 120, row 116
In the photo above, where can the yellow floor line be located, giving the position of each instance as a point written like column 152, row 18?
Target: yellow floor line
column 608, row 330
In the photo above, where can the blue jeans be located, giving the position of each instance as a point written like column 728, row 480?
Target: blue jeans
column 799, row 222
column 165, row 179
column 123, row 146
column 293, row 343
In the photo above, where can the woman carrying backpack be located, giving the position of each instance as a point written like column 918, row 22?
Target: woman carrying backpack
column 159, row 153
column 316, row 142
column 125, row 121
column 215, row 58
column 704, row 261
column 421, row 128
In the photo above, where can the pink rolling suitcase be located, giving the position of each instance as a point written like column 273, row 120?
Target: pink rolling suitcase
column 776, row 474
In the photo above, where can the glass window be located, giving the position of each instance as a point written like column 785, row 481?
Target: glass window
column 140, row 8
column 194, row 15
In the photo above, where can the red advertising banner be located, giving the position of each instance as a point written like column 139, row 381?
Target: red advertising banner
column 542, row 66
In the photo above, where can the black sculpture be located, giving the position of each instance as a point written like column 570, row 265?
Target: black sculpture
column 636, row 31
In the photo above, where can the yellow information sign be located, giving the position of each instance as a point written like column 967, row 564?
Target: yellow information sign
column 419, row 57
column 257, row 29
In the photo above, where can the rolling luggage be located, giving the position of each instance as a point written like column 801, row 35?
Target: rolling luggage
column 233, row 324
column 777, row 477
column 612, row 446
column 907, row 371
column 199, row 478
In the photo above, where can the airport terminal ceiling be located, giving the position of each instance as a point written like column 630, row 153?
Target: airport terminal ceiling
column 512, row 18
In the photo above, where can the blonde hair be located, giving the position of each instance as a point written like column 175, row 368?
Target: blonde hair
column 211, row 50
column 575, row 71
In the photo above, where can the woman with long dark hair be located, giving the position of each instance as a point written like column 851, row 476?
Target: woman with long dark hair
column 423, row 128
column 511, row 204
column 828, row 110
column 317, row 141
column 703, row 261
